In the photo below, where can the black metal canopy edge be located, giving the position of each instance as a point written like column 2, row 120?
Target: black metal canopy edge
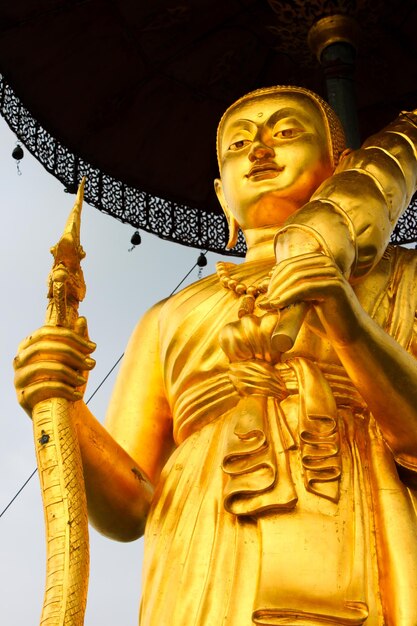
column 168, row 220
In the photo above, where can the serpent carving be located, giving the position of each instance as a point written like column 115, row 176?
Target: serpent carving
column 58, row 454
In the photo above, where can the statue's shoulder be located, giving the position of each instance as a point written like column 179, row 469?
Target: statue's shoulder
column 192, row 295
column 406, row 253
column 404, row 259
column 403, row 281
column 187, row 306
column 180, row 304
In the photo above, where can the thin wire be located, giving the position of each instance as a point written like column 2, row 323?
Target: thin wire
column 18, row 492
column 186, row 276
column 95, row 391
column 180, row 283
column 105, row 378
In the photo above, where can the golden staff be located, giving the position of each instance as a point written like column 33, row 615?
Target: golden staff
column 58, row 454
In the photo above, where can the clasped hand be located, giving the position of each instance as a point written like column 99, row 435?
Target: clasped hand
column 53, row 362
column 315, row 278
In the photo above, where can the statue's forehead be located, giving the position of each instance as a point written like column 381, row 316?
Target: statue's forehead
column 260, row 107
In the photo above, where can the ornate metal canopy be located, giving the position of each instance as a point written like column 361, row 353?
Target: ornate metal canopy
column 129, row 93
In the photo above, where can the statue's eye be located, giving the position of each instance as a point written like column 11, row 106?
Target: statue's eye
column 288, row 133
column 238, row 145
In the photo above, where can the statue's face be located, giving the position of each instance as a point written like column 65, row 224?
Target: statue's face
column 274, row 154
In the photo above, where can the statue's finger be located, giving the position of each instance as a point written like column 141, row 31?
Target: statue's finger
column 250, row 325
column 266, row 305
column 300, row 266
column 58, row 333
column 268, row 324
column 233, row 342
column 53, row 351
column 81, row 328
column 47, row 371
column 305, row 280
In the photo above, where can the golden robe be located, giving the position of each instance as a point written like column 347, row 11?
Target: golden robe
column 279, row 503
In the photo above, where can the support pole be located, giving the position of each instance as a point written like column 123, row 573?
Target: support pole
column 333, row 40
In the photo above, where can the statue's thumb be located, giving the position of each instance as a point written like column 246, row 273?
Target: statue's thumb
column 81, row 329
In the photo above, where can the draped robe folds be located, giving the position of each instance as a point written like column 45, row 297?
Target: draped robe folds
column 281, row 504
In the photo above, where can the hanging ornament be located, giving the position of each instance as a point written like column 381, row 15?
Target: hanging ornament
column 201, row 262
column 135, row 240
column 18, row 155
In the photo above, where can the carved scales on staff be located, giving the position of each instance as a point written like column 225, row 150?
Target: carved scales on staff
column 58, row 454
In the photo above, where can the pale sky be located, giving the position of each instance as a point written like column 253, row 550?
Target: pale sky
column 121, row 285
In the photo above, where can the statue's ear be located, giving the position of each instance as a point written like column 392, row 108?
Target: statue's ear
column 231, row 222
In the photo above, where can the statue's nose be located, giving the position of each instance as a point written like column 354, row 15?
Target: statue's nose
column 260, row 150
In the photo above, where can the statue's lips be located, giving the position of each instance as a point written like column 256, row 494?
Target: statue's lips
column 264, row 172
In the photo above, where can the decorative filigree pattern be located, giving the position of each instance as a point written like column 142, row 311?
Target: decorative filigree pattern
column 166, row 219
column 406, row 229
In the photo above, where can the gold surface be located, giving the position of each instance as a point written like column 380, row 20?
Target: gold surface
column 56, row 444
column 273, row 487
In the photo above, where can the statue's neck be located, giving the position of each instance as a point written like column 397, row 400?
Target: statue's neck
column 260, row 243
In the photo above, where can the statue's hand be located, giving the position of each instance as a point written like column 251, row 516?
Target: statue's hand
column 315, row 278
column 53, row 362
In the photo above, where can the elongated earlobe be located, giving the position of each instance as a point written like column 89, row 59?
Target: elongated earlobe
column 233, row 231
column 231, row 222
column 343, row 155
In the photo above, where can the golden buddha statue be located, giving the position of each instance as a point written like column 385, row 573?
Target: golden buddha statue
column 273, row 487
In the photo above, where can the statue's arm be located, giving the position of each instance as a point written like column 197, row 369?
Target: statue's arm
column 385, row 374
column 122, row 460
column 118, row 491
column 355, row 211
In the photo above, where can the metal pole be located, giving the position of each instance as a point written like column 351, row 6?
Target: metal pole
column 333, row 40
